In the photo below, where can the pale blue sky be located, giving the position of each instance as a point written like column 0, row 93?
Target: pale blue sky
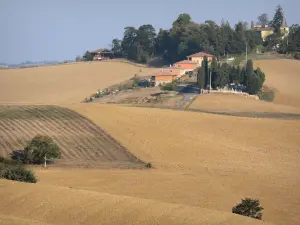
column 61, row 29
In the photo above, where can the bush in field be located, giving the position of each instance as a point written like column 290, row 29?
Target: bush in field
column 249, row 207
column 169, row 86
column 267, row 96
column 7, row 161
column 16, row 172
column 38, row 150
column 148, row 165
column 11, row 170
column 297, row 55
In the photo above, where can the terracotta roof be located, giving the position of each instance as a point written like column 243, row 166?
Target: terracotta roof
column 172, row 68
column 163, row 73
column 201, row 54
column 186, row 62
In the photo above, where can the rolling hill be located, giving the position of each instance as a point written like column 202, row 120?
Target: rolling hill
column 63, row 205
column 211, row 161
column 69, row 83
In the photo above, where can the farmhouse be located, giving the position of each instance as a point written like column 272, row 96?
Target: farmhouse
column 174, row 70
column 186, row 65
column 102, row 54
column 163, row 77
column 198, row 57
column 265, row 31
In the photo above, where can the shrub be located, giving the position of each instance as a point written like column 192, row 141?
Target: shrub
column 169, row 87
column 148, row 165
column 267, row 96
column 18, row 156
column 7, row 161
column 297, row 55
column 249, row 207
column 17, row 172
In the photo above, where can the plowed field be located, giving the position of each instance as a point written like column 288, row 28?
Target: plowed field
column 81, row 141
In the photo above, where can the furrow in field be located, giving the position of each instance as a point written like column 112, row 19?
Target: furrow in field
column 78, row 125
column 116, row 150
column 51, row 130
column 68, row 125
column 8, row 140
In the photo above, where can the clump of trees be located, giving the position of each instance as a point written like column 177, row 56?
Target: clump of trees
column 224, row 74
column 41, row 149
column 185, row 37
column 11, row 170
column 249, row 207
column 87, row 56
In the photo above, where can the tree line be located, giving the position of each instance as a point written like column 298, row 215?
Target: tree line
column 220, row 75
column 185, row 37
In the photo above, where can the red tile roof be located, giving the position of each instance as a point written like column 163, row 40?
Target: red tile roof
column 186, row 62
column 201, row 54
column 172, row 68
column 163, row 73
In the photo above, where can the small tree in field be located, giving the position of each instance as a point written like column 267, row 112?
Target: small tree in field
column 249, row 207
column 41, row 148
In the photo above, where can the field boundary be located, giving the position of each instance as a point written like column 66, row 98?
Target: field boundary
column 263, row 115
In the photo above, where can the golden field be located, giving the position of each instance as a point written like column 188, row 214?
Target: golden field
column 203, row 165
column 284, row 77
column 69, row 83
column 234, row 103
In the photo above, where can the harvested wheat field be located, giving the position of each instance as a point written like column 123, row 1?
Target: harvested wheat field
column 69, row 83
column 81, row 141
column 211, row 161
column 71, row 206
column 234, row 103
column 203, row 163
column 284, row 77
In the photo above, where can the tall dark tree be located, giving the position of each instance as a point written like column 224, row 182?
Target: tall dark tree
column 253, row 84
column 129, row 43
column 263, row 20
column 293, row 39
column 201, row 77
column 214, row 72
column 116, row 47
column 278, row 18
column 206, row 72
column 87, row 56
